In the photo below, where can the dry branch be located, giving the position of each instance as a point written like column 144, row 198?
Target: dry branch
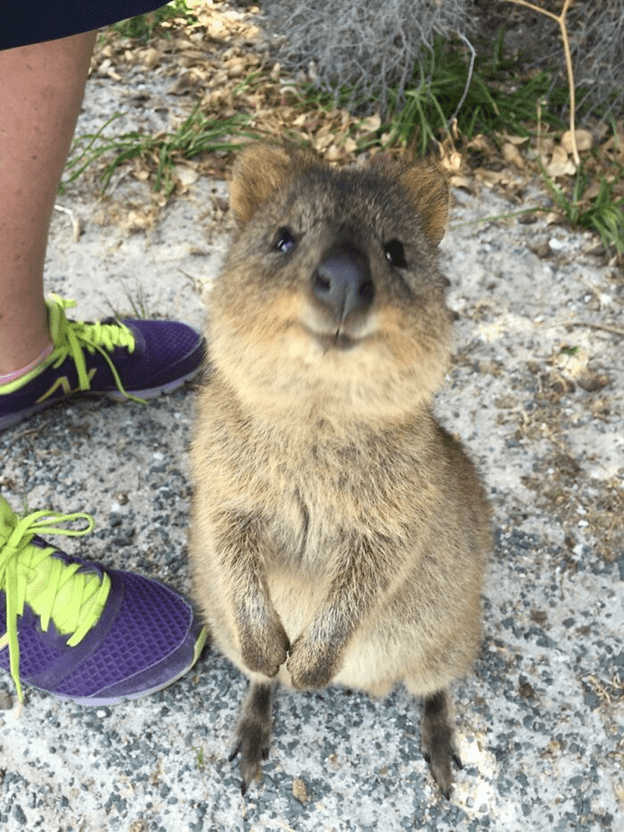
column 561, row 20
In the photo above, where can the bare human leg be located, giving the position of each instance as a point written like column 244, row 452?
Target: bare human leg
column 41, row 90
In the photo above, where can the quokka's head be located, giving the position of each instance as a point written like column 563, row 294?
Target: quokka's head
column 330, row 300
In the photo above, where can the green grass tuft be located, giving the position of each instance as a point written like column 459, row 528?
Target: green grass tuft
column 490, row 102
column 142, row 26
column 197, row 134
column 604, row 214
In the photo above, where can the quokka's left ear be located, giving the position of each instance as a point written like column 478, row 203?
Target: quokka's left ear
column 426, row 188
column 428, row 192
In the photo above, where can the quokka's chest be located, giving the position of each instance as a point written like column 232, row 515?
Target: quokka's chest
column 315, row 526
column 302, row 533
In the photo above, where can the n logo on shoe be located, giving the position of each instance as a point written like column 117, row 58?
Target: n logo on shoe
column 63, row 382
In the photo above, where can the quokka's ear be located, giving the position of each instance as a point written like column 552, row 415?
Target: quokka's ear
column 428, row 192
column 426, row 188
column 260, row 169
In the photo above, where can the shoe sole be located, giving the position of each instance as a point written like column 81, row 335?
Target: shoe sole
column 101, row 701
column 114, row 395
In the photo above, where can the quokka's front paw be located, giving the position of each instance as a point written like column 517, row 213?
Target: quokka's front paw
column 264, row 648
column 311, row 665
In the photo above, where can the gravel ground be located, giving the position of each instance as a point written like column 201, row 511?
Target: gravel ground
column 540, row 722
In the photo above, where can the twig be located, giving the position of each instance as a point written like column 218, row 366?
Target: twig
column 72, row 218
column 568, row 60
column 473, row 55
column 497, row 217
column 614, row 330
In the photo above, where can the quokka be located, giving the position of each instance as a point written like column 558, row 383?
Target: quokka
column 339, row 534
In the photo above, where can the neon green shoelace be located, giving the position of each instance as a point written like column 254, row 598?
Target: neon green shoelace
column 72, row 337
column 54, row 589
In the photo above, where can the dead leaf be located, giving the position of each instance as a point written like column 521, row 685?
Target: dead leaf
column 517, row 140
column 544, row 146
column 300, row 791
column 592, row 191
column 576, row 368
column 186, row 174
column 512, row 155
column 462, row 182
column 560, row 164
column 236, row 67
column 333, row 153
column 149, row 57
column 480, row 143
column 495, row 177
column 136, row 220
column 321, row 143
column 553, row 218
column 185, row 83
column 584, row 140
column 371, row 124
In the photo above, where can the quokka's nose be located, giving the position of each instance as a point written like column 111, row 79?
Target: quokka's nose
column 343, row 282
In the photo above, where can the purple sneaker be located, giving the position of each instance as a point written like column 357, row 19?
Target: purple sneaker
column 130, row 359
column 82, row 632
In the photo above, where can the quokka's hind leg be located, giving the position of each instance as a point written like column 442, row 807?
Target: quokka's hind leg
column 253, row 732
column 437, row 738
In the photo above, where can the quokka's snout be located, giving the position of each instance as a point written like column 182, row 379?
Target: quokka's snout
column 343, row 282
column 339, row 534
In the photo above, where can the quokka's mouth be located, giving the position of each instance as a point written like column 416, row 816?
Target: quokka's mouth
column 337, row 340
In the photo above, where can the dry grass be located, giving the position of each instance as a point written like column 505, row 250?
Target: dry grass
column 367, row 46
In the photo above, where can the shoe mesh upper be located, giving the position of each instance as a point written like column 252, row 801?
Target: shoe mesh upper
column 144, row 636
column 150, row 624
column 136, row 359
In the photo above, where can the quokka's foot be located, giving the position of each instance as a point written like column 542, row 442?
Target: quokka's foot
column 253, row 733
column 437, row 741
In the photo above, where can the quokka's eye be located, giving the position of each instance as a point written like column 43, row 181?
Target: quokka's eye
column 395, row 254
column 284, row 240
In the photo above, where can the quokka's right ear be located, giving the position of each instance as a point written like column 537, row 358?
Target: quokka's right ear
column 260, row 169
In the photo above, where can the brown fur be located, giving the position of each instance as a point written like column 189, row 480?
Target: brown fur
column 339, row 534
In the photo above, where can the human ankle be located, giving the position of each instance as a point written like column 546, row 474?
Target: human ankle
column 13, row 375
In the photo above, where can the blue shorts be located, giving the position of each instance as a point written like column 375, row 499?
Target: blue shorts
column 22, row 23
